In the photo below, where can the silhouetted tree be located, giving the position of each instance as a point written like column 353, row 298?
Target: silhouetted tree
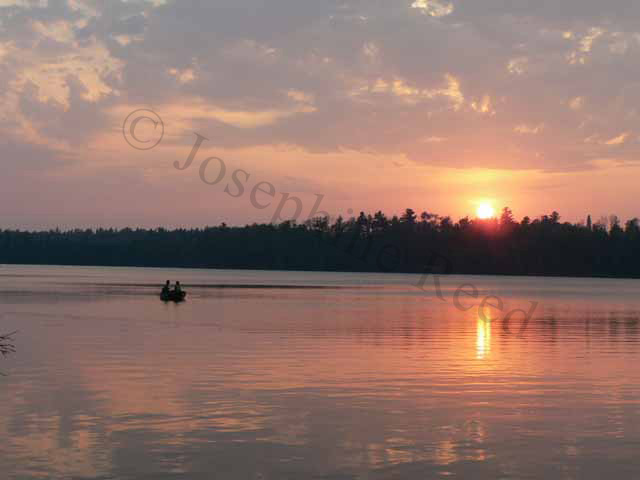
column 614, row 225
column 445, row 223
column 380, row 222
column 507, row 223
column 363, row 224
column 409, row 217
column 631, row 228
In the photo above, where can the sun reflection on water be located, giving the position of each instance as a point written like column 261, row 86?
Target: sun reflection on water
column 483, row 338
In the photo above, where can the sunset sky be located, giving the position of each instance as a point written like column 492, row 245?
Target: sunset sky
column 380, row 104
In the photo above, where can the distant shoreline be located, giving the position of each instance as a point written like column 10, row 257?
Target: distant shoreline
column 248, row 269
column 542, row 247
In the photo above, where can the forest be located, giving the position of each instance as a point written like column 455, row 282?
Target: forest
column 409, row 243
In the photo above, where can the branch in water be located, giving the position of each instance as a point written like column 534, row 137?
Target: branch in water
column 6, row 347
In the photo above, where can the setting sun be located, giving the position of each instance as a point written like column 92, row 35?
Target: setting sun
column 485, row 211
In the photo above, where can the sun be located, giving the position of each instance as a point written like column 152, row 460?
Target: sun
column 485, row 211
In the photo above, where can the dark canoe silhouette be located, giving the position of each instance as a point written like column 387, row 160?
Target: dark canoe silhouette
column 173, row 296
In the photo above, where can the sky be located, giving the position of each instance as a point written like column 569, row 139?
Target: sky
column 361, row 105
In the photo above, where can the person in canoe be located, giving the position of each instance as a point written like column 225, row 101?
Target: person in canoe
column 176, row 294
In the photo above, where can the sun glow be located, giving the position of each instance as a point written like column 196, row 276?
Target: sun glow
column 485, row 210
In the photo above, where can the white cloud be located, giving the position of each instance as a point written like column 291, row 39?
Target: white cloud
column 90, row 64
column 434, row 8
column 186, row 75
column 371, row 51
column 619, row 140
column 413, row 94
column 529, row 129
column 518, row 66
column 585, row 45
column 483, row 105
column 576, row 103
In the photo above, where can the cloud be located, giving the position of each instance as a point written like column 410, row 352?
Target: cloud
column 449, row 89
column 435, row 8
column 514, row 85
column 619, row 140
column 529, row 129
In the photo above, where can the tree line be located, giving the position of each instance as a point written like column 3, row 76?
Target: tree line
column 407, row 243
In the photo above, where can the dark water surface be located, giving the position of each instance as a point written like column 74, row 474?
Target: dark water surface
column 367, row 377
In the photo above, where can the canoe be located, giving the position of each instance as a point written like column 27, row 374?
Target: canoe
column 173, row 296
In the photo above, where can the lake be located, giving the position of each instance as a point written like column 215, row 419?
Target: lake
column 298, row 375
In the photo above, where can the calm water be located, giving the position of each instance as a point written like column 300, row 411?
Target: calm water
column 367, row 378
